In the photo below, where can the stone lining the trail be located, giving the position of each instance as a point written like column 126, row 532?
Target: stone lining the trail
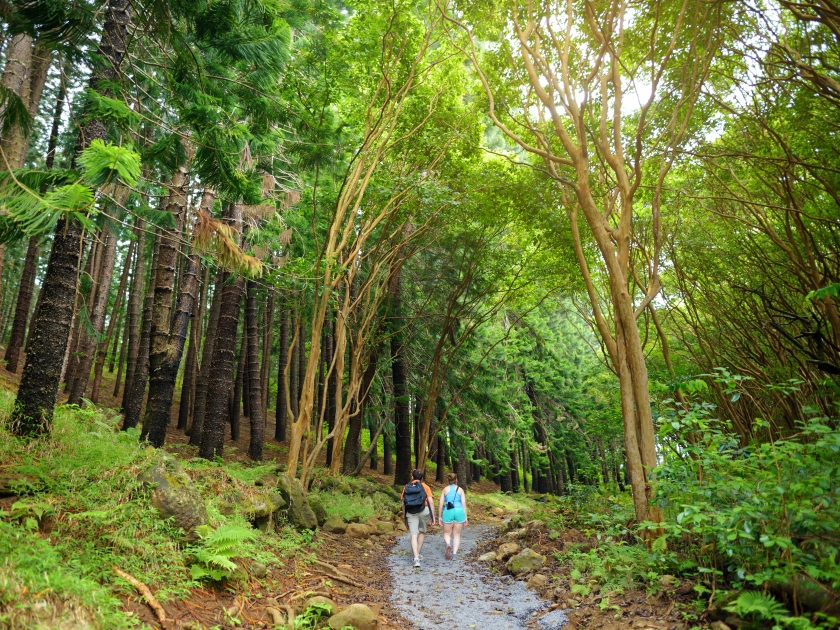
column 461, row 595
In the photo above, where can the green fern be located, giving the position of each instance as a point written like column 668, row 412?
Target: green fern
column 218, row 546
column 757, row 603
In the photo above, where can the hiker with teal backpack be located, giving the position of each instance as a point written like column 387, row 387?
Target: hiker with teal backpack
column 453, row 514
column 418, row 511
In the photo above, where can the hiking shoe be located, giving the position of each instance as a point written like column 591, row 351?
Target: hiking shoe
column 416, row 563
column 449, row 552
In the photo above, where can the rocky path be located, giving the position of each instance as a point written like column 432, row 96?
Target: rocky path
column 461, row 595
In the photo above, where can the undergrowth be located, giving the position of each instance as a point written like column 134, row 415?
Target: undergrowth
column 84, row 512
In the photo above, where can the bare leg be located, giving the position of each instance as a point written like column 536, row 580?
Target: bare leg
column 447, row 533
column 414, row 547
column 456, row 537
column 421, row 538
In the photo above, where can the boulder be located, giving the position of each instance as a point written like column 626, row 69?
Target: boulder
column 498, row 511
column 517, row 533
column 174, row 496
column 358, row 530
column 318, row 510
column 537, row 581
column 534, row 524
column 390, row 492
column 334, row 525
column 384, row 528
column 300, row 514
column 268, row 480
column 264, row 504
column 357, row 616
column 490, row 556
column 319, row 600
column 526, row 560
column 507, row 550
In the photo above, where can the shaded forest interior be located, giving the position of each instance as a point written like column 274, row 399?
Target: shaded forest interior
column 584, row 251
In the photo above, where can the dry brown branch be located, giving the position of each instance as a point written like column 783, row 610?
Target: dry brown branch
column 145, row 592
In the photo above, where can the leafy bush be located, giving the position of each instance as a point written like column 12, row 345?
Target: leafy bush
column 762, row 516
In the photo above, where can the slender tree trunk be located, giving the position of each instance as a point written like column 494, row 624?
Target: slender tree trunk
column 24, row 301
column 72, row 359
column 331, row 379
column 15, row 143
column 301, row 348
column 222, row 363
column 374, row 454
column 354, row 432
column 166, row 344
column 294, row 369
column 196, row 429
column 188, row 385
column 462, row 468
column 514, row 469
column 121, row 359
column 87, row 348
column 103, row 347
column 245, row 383
column 440, row 476
column 133, row 315
column 164, row 364
column 141, row 369
column 402, row 421
column 239, row 385
column 282, row 414
column 387, row 455
column 221, row 371
column 268, row 333
column 255, row 449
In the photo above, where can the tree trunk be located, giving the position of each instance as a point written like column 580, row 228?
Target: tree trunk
column 462, row 468
column 239, row 385
column 141, row 369
column 188, row 385
column 268, row 334
column 221, row 371
column 329, row 351
column 121, row 358
column 282, row 414
column 103, row 347
column 387, row 455
column 99, row 306
column 24, row 302
column 81, row 301
column 38, row 60
column 514, row 469
column 196, row 429
column 354, row 433
column 134, row 310
column 402, row 421
column 374, row 454
column 440, row 477
column 255, row 449
column 294, row 371
column 165, row 361
column 168, row 333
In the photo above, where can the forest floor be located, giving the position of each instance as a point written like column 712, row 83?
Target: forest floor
column 580, row 586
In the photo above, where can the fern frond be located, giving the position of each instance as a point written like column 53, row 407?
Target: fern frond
column 757, row 603
column 214, row 237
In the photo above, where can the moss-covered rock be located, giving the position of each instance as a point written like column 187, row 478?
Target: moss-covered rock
column 525, row 561
column 318, row 510
column 356, row 616
column 300, row 514
column 174, row 496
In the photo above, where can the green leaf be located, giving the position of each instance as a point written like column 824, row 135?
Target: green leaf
column 101, row 163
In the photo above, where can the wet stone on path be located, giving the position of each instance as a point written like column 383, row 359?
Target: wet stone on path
column 458, row 595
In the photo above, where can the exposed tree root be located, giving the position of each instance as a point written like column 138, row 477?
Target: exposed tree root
column 145, row 592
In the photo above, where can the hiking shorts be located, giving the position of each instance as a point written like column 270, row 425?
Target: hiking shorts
column 455, row 515
column 417, row 522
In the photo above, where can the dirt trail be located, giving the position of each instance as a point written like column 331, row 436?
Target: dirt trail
column 459, row 594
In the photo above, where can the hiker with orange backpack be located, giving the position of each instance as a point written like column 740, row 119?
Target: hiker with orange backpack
column 418, row 511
